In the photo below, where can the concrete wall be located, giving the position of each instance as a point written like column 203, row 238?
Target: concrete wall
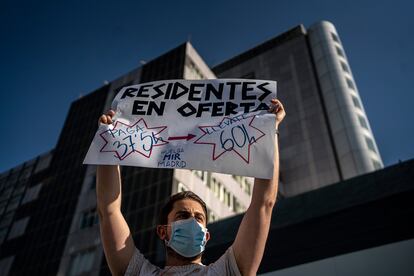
column 347, row 118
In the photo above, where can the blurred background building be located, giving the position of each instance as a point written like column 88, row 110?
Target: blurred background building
column 48, row 219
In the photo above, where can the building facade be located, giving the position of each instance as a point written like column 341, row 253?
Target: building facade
column 325, row 139
column 19, row 189
column 326, row 136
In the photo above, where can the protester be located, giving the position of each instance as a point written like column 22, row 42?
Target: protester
column 182, row 226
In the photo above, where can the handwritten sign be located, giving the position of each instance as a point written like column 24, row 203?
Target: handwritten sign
column 220, row 125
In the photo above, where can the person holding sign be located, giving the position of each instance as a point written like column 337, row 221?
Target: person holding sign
column 182, row 226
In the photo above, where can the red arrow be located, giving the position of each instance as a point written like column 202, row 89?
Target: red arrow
column 188, row 137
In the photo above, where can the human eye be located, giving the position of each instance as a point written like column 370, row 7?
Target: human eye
column 199, row 218
column 182, row 215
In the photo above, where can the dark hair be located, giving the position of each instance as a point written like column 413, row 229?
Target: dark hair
column 167, row 208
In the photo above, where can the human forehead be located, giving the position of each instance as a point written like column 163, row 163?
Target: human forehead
column 186, row 205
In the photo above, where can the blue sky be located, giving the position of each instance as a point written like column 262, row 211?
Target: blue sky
column 51, row 52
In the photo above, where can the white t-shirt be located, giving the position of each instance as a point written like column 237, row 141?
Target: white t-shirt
column 226, row 265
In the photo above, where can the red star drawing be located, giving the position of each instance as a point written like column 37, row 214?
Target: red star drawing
column 231, row 134
column 124, row 139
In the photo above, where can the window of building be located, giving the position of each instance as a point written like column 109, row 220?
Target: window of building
column 211, row 216
column 18, row 190
column 18, row 228
column 6, row 193
column 14, row 176
column 92, row 182
column 88, row 218
column 81, row 263
column 350, row 84
column 3, row 181
column 200, row 174
column 2, row 206
column 344, row 67
column 3, row 233
column 181, row 187
column 363, row 122
column 13, row 203
column 335, row 37
column 25, row 174
column 216, row 187
column 193, row 72
column 43, row 163
column 6, row 219
column 377, row 165
column 237, row 206
column 247, row 187
column 226, row 197
column 340, row 52
column 32, row 193
column 244, row 184
column 370, row 144
column 357, row 104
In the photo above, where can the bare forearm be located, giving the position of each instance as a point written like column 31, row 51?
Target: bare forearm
column 255, row 225
column 108, row 189
column 253, row 231
column 115, row 234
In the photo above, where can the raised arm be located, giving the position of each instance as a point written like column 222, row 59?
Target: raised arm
column 115, row 234
column 250, row 241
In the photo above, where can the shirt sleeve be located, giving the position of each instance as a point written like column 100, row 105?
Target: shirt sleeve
column 226, row 265
column 138, row 265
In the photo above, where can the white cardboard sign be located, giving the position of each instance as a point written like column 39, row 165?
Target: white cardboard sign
column 220, row 125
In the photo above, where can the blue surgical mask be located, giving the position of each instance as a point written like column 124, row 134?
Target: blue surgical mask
column 188, row 237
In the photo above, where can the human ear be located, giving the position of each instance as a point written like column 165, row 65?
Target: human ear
column 161, row 232
column 207, row 236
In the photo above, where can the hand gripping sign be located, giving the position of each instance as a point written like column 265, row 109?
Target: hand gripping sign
column 220, row 125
